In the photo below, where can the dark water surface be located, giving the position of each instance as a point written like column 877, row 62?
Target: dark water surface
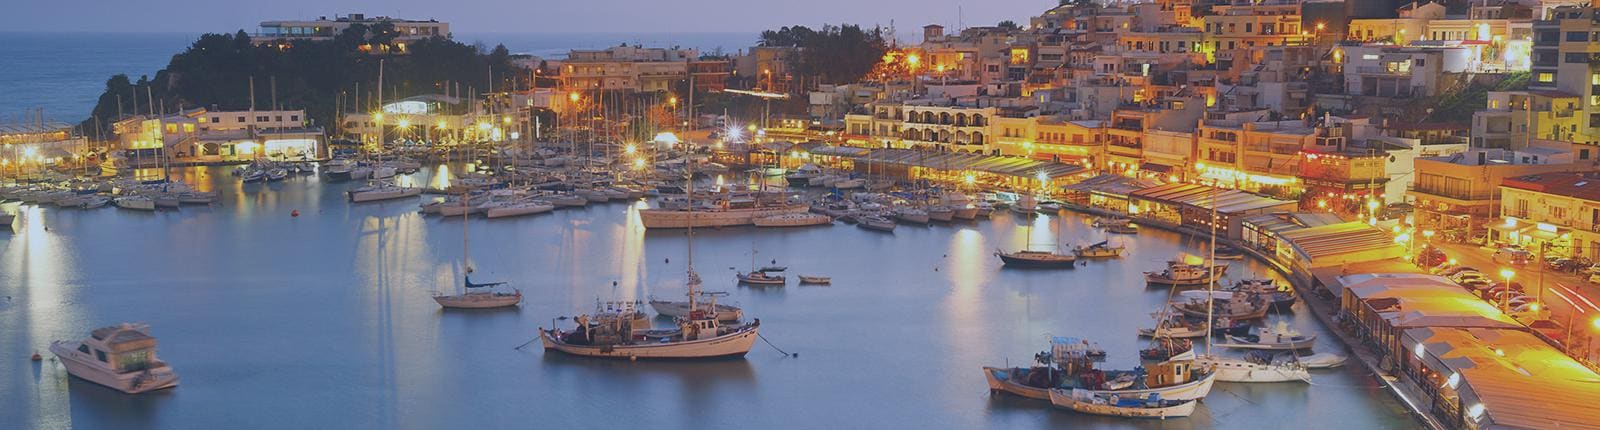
column 325, row 321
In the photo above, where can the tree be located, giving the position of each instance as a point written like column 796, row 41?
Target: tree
column 835, row 54
column 217, row 69
column 1009, row 25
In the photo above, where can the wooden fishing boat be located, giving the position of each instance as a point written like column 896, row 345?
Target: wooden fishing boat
column 1152, row 406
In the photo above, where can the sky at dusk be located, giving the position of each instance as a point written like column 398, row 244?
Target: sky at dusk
column 515, row 16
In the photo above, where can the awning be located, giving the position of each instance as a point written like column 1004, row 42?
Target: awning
column 1155, row 168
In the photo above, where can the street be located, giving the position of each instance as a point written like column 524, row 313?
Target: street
column 1568, row 300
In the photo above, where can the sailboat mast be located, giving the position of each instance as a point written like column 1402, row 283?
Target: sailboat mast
column 466, row 259
column 1210, row 271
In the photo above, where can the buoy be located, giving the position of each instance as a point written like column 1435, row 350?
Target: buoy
column 294, row 213
column 36, row 356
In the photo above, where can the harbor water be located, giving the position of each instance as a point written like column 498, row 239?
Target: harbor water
column 325, row 320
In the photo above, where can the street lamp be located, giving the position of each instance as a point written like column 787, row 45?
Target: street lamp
column 1505, row 296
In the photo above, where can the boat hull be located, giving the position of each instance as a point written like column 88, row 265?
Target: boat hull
column 1063, row 399
column 511, row 211
column 380, row 195
column 665, row 218
column 1037, row 263
column 478, row 300
column 732, row 345
column 79, row 364
column 1000, row 380
column 1235, row 370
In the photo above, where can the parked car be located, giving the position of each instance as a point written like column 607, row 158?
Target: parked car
column 1469, row 275
column 1590, row 270
column 1454, row 270
column 1431, row 256
column 1512, row 255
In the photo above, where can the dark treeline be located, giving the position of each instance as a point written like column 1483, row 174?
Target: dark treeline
column 833, row 55
column 217, row 69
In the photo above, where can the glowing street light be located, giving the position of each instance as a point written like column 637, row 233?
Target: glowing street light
column 440, row 125
column 573, row 96
column 913, row 60
column 629, row 149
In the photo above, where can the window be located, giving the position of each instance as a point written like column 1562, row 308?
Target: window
column 1576, row 58
column 188, row 128
column 1247, row 28
column 1577, row 36
column 294, row 118
column 83, row 348
column 1558, row 213
column 279, row 118
column 216, row 119
column 100, row 355
column 241, row 118
column 1547, row 77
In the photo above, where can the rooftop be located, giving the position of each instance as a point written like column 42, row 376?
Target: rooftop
column 1584, row 186
column 1510, row 378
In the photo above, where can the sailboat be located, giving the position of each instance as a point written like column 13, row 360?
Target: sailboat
column 476, row 296
column 380, row 190
column 1230, row 369
column 759, row 276
column 1029, row 258
column 699, row 335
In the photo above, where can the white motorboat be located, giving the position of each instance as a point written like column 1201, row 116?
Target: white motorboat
column 380, row 191
column 1323, row 360
column 815, row 280
column 338, row 168
column 724, row 214
column 141, row 203
column 793, row 220
column 680, row 309
column 967, row 212
column 941, row 213
column 1246, row 370
column 122, row 357
column 1152, row 406
column 567, row 200
column 95, row 202
column 1275, row 338
column 277, row 174
column 518, row 208
column 911, row 215
column 876, row 222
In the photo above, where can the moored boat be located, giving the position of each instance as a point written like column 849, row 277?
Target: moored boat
column 793, row 220
column 1150, row 406
column 1181, row 274
column 1099, row 250
column 122, row 357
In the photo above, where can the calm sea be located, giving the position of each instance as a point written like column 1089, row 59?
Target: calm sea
column 325, row 321
column 64, row 73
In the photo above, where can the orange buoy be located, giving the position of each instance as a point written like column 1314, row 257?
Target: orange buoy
column 294, row 213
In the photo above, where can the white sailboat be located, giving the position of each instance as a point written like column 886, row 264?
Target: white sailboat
column 476, row 296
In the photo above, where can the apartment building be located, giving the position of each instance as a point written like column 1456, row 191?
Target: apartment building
column 1564, row 46
column 1462, row 191
column 1557, row 213
column 222, row 135
column 627, row 68
column 322, row 28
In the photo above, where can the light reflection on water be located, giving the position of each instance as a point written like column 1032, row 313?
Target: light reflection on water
column 325, row 320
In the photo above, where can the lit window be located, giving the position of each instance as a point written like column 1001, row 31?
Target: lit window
column 1547, row 77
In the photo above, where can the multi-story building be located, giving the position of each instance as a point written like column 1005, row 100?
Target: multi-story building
column 626, row 68
column 1462, row 191
column 1564, row 46
column 322, row 28
column 946, row 126
column 1555, row 213
column 1243, row 24
column 1395, row 72
column 205, row 134
column 1515, row 118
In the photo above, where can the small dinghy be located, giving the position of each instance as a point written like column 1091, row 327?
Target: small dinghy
column 815, row 280
column 1323, row 360
column 1132, row 406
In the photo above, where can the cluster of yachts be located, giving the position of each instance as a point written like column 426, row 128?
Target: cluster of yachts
column 273, row 171
column 1174, row 374
column 97, row 193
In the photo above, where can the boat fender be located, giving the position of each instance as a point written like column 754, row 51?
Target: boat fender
column 294, row 213
column 35, row 356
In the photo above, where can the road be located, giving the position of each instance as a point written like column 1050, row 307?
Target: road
column 1569, row 300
